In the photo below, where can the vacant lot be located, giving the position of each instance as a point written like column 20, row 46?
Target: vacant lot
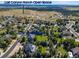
column 18, row 12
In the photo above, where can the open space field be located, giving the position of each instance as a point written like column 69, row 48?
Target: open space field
column 19, row 12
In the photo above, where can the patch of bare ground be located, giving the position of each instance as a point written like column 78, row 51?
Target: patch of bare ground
column 18, row 12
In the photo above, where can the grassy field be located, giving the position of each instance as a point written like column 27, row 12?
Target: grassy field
column 19, row 12
column 72, row 8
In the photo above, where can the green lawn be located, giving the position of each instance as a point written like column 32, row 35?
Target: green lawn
column 56, row 34
column 59, row 40
column 43, row 50
column 76, row 43
column 41, row 38
column 55, row 28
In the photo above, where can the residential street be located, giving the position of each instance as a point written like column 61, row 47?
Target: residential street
column 69, row 26
column 14, row 45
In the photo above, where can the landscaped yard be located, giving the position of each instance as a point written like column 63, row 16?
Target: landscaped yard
column 43, row 50
column 62, row 51
column 56, row 34
column 41, row 38
column 55, row 28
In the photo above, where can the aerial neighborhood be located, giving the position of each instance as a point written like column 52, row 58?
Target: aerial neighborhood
column 39, row 32
column 24, row 37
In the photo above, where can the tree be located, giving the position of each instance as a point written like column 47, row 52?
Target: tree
column 23, row 9
column 68, row 44
column 61, row 52
column 23, row 39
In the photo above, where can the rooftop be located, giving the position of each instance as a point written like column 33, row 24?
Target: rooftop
column 75, row 50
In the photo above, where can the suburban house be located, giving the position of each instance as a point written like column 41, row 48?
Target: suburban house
column 75, row 51
column 29, row 48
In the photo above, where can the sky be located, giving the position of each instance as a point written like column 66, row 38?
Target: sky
column 66, row 2
column 58, row 2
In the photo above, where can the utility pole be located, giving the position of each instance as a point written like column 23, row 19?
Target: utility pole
column 23, row 9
